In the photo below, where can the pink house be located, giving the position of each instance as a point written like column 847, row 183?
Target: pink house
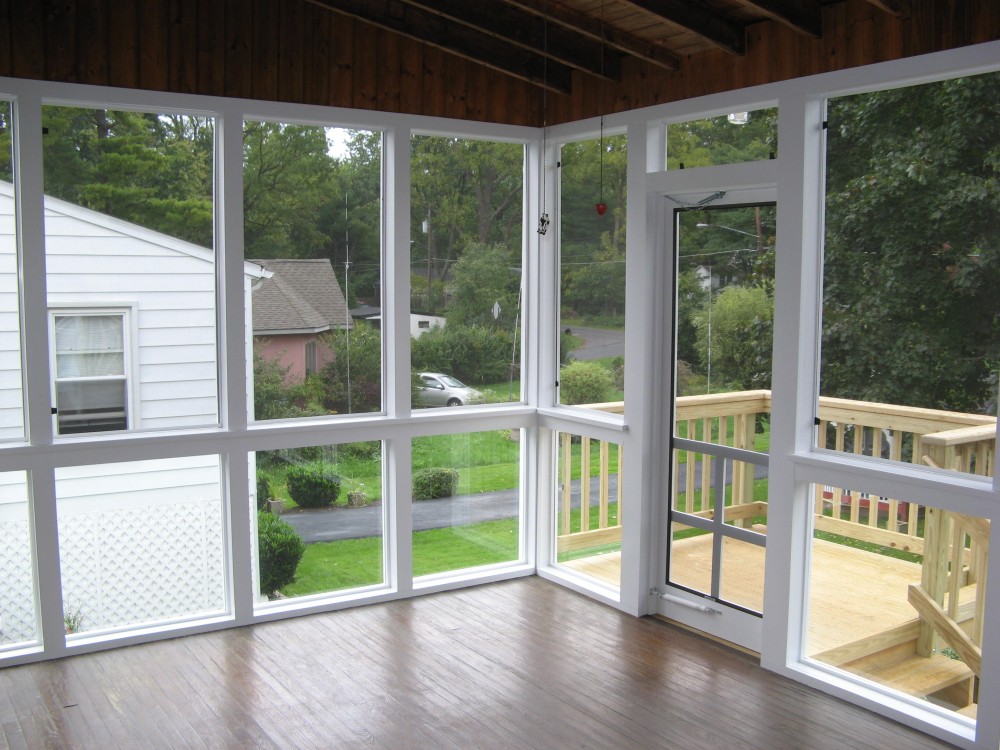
column 300, row 300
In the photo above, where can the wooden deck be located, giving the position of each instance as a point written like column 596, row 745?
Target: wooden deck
column 520, row 664
column 845, row 582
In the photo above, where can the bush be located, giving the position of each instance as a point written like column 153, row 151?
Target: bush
column 584, row 383
column 473, row 354
column 279, row 549
column 430, row 484
column 365, row 450
column 312, row 486
column 264, row 491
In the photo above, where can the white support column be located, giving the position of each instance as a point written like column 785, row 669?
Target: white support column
column 796, row 353
column 643, row 385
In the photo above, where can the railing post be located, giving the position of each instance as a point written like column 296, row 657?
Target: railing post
column 934, row 572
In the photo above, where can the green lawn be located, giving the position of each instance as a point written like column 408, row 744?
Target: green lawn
column 349, row 563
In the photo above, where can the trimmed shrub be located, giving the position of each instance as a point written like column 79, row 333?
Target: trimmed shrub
column 430, row 484
column 279, row 549
column 584, row 383
column 264, row 490
column 312, row 486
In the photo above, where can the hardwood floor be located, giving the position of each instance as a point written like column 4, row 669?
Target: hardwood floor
column 520, row 664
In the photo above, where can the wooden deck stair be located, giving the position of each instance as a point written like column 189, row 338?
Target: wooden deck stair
column 921, row 676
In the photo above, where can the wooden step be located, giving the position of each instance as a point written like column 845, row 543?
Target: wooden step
column 971, row 710
column 921, row 676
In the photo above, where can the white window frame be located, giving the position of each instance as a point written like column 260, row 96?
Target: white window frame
column 129, row 375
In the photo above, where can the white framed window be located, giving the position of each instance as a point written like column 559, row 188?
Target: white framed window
column 90, row 370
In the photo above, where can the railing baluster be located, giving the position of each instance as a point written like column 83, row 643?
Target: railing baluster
column 584, row 484
column 602, row 516
column 567, row 482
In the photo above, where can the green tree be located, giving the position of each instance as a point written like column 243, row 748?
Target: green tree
column 592, row 247
column 352, row 381
column 464, row 192
column 148, row 169
column 734, row 337
column 287, row 180
column 912, row 263
column 484, row 276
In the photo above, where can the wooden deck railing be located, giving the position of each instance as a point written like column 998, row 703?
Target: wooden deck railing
column 953, row 440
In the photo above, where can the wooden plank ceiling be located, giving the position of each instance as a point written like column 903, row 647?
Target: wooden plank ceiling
column 544, row 41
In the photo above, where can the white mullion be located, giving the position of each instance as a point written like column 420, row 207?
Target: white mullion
column 235, row 373
column 796, row 348
column 398, row 519
column 30, row 217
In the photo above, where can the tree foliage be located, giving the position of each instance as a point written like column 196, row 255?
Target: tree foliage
column 912, row 262
column 734, row 333
column 352, row 381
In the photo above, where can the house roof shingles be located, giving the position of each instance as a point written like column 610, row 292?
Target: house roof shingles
column 302, row 296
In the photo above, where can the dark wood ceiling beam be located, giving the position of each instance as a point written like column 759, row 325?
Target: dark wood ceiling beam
column 529, row 32
column 701, row 20
column 801, row 16
column 897, row 8
column 560, row 15
column 417, row 24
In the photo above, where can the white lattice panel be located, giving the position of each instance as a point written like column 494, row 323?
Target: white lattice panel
column 128, row 566
column 17, row 602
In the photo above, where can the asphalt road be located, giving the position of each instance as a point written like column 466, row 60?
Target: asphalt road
column 599, row 343
column 330, row 524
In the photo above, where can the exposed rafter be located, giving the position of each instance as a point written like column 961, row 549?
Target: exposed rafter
column 707, row 23
column 511, row 25
column 559, row 14
column 897, row 8
column 457, row 39
column 802, row 16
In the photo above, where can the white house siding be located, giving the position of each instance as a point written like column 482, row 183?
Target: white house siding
column 139, row 542
column 11, row 401
column 170, row 284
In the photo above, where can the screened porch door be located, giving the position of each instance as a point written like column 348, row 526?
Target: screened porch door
column 719, row 414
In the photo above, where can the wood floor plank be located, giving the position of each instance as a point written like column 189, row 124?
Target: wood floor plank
column 520, row 664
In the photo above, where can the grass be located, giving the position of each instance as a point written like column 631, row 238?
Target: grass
column 351, row 563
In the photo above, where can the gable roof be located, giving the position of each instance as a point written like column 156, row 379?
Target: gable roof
column 301, row 296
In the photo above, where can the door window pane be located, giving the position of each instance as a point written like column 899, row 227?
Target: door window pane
column 18, row 626
column 129, row 204
column 141, row 543
column 592, row 273
column 465, row 271
column 319, row 517
column 911, row 267
column 466, row 501
column 897, row 595
column 312, row 228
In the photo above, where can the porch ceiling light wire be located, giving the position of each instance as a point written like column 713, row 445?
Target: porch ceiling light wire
column 543, row 220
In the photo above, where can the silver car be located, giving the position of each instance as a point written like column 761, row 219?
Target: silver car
column 438, row 389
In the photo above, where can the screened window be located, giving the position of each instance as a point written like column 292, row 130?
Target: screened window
column 91, row 381
column 910, row 271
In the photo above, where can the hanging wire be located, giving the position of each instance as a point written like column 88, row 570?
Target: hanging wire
column 601, row 206
column 543, row 220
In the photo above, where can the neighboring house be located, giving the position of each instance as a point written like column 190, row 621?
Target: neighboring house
column 133, row 345
column 132, row 322
column 300, row 301
column 419, row 323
